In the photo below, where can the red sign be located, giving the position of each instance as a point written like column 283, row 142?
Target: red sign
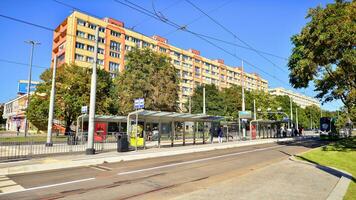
column 100, row 131
column 253, row 131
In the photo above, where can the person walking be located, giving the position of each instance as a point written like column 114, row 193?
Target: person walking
column 220, row 134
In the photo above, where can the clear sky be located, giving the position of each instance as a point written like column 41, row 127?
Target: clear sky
column 265, row 25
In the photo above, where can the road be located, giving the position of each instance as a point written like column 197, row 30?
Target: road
column 156, row 178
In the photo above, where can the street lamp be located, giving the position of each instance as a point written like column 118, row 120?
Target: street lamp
column 32, row 43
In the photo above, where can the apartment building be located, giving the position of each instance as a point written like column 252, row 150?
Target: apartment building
column 300, row 99
column 74, row 38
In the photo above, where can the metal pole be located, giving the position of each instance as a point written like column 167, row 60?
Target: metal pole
column 291, row 113
column 136, row 132
column 254, row 110
column 296, row 118
column 49, row 142
column 90, row 149
column 204, row 108
column 32, row 43
column 243, row 97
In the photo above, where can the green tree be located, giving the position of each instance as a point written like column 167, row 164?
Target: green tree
column 325, row 52
column 2, row 120
column 72, row 92
column 213, row 97
column 149, row 75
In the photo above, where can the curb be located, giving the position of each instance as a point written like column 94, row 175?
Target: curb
column 342, row 185
column 95, row 160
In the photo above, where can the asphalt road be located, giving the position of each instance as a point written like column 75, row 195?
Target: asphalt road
column 157, row 178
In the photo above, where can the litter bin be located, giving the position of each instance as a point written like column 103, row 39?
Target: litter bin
column 122, row 143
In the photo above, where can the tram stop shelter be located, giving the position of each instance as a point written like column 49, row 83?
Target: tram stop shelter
column 155, row 128
column 261, row 128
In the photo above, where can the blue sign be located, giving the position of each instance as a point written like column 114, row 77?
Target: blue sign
column 23, row 86
column 139, row 103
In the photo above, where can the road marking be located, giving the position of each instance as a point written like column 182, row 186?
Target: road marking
column 195, row 161
column 48, row 186
column 8, row 185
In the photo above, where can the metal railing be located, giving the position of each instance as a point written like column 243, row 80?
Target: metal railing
column 14, row 148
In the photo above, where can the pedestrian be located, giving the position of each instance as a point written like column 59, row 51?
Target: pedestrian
column 300, row 131
column 211, row 131
column 18, row 129
column 220, row 134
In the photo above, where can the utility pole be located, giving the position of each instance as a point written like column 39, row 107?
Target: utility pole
column 291, row 112
column 204, row 108
column 51, row 105
column 243, row 96
column 32, row 43
column 254, row 110
column 296, row 118
column 90, row 149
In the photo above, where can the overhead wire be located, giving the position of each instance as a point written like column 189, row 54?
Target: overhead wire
column 233, row 34
column 171, row 23
column 149, row 13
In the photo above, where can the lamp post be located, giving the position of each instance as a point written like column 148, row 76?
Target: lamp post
column 32, row 43
column 51, row 105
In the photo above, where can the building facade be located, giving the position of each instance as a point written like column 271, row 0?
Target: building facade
column 300, row 99
column 14, row 113
column 74, row 38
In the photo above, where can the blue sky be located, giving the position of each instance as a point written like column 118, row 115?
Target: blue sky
column 265, row 25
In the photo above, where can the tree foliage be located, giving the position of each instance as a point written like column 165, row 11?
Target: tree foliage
column 324, row 51
column 72, row 92
column 228, row 102
column 2, row 120
column 151, row 76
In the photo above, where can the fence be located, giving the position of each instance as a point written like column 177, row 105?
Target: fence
column 14, row 148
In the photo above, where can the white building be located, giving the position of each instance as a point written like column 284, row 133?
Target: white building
column 300, row 99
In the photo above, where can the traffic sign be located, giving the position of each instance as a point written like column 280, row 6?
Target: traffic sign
column 245, row 114
column 84, row 109
column 139, row 103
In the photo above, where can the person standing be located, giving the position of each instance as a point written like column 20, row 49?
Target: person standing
column 220, row 134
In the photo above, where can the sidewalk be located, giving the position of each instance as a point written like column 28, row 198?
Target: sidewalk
column 69, row 161
column 283, row 180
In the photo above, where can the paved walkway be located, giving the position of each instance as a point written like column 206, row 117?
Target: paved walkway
column 284, row 180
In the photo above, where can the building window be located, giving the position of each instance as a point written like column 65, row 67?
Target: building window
column 113, row 75
column 127, row 37
column 91, row 37
column 79, row 57
column 114, row 33
column 79, row 45
column 92, row 26
column 101, row 40
column 101, row 29
column 90, row 59
column 127, row 48
column 114, row 67
column 100, row 51
column 114, row 54
column 145, row 44
column 114, row 46
column 176, row 62
column 163, row 50
column 81, row 22
column 80, row 34
column 90, row 48
column 135, row 40
column 100, row 62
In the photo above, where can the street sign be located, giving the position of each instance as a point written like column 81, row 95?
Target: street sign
column 139, row 103
column 84, row 109
column 245, row 114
